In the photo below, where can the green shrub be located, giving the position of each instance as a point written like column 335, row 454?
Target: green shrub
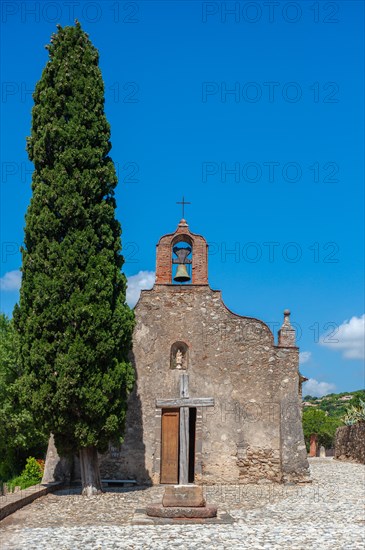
column 31, row 475
column 355, row 414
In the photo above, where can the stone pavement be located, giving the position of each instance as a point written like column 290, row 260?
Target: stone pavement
column 327, row 514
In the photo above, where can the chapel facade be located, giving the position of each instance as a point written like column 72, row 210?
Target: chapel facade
column 216, row 400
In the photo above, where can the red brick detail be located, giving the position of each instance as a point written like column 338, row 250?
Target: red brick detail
column 313, row 445
column 199, row 253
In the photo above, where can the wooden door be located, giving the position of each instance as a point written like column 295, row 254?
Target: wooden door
column 170, row 446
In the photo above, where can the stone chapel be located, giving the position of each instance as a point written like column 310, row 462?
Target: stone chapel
column 216, row 400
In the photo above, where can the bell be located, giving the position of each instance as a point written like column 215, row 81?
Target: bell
column 182, row 274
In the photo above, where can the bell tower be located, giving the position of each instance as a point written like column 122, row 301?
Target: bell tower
column 182, row 258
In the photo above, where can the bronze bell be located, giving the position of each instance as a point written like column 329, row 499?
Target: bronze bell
column 182, row 274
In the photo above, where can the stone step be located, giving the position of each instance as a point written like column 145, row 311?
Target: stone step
column 192, row 512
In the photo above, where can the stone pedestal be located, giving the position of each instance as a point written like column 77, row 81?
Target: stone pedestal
column 183, row 495
column 182, row 501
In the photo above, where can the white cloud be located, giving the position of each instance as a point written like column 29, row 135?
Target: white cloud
column 318, row 389
column 142, row 281
column 11, row 281
column 348, row 339
column 304, row 357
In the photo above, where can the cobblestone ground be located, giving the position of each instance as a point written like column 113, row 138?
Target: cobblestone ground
column 327, row 514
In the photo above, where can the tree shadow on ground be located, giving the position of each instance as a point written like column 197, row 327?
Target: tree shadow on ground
column 76, row 490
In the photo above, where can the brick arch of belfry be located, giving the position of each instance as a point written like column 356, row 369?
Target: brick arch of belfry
column 199, row 255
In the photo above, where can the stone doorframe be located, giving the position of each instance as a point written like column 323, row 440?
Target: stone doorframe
column 198, row 447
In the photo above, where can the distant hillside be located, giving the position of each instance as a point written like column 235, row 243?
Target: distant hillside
column 335, row 404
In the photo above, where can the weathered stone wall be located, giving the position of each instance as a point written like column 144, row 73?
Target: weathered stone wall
column 253, row 433
column 350, row 443
column 256, row 464
column 286, row 379
column 56, row 468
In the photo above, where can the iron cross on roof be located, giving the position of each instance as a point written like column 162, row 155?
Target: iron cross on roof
column 183, row 202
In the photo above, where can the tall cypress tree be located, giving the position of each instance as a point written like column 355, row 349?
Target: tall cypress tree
column 74, row 324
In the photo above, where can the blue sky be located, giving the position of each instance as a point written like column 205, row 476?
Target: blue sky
column 256, row 117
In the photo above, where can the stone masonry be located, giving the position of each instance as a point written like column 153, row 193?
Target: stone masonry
column 253, row 433
column 350, row 442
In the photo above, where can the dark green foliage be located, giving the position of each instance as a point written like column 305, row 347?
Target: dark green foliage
column 74, row 325
column 18, row 434
column 319, row 422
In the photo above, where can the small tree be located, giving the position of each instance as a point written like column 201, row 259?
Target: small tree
column 318, row 422
column 74, row 325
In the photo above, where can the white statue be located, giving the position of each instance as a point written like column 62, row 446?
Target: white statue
column 179, row 359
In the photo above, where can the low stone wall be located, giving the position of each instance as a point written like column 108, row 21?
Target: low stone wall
column 350, row 443
column 11, row 502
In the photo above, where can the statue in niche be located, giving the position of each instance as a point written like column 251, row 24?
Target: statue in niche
column 179, row 359
column 179, row 356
